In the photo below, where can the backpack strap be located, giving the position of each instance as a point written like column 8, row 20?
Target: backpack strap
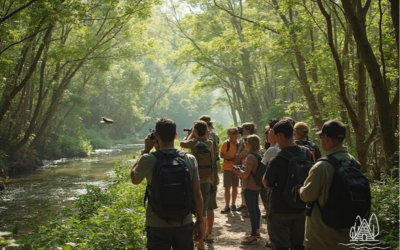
column 228, row 145
column 259, row 161
column 331, row 160
column 158, row 154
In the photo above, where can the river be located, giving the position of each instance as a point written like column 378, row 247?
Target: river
column 27, row 199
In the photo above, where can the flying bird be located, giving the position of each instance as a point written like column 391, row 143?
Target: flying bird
column 106, row 120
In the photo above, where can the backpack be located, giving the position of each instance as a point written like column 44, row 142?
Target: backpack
column 259, row 174
column 298, row 168
column 311, row 146
column 349, row 195
column 204, row 158
column 170, row 192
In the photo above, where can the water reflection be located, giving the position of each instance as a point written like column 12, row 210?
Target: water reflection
column 27, row 198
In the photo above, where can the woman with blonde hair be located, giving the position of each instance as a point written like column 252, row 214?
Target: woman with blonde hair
column 250, row 187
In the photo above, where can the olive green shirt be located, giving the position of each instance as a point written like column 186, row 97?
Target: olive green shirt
column 190, row 144
column 144, row 169
column 316, row 187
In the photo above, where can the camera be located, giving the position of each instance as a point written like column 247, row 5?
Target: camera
column 309, row 208
column 245, row 139
column 240, row 130
column 187, row 129
column 152, row 131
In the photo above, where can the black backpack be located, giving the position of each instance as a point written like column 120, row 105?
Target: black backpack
column 259, row 174
column 170, row 192
column 298, row 168
column 349, row 195
column 204, row 158
column 312, row 147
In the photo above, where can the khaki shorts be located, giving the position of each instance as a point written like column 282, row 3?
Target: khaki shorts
column 205, row 192
column 230, row 179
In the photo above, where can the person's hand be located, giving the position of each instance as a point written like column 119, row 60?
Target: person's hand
column 156, row 145
column 148, row 143
column 264, row 182
column 198, row 231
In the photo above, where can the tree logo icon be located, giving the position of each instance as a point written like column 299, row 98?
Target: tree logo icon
column 364, row 230
column 363, row 234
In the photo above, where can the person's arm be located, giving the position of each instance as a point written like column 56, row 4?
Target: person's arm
column 249, row 166
column 311, row 189
column 224, row 154
column 264, row 181
column 148, row 146
column 198, row 229
column 187, row 144
column 240, row 156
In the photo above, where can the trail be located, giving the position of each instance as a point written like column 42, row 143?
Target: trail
column 229, row 229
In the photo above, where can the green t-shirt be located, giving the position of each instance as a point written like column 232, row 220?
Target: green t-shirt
column 144, row 169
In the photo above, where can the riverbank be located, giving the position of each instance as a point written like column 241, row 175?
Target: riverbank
column 31, row 199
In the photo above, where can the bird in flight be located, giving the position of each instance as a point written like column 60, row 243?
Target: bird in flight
column 106, row 120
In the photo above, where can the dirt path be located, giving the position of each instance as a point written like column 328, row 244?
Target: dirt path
column 230, row 229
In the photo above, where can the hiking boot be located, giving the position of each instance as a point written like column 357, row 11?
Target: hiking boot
column 242, row 208
column 209, row 238
column 201, row 246
column 226, row 210
column 234, row 208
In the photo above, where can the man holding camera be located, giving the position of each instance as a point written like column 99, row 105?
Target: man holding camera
column 212, row 202
column 178, row 232
column 203, row 150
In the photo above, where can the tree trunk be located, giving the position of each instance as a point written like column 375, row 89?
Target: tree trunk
column 380, row 91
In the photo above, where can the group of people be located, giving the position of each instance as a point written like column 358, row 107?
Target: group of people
column 287, row 174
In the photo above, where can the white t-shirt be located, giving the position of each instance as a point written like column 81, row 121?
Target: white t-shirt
column 271, row 152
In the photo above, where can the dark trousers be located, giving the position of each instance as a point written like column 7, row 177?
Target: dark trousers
column 264, row 195
column 287, row 230
column 163, row 238
column 251, row 198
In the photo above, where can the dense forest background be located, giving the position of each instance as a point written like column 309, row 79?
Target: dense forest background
column 64, row 64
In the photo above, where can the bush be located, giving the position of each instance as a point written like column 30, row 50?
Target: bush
column 385, row 205
column 98, row 138
column 101, row 219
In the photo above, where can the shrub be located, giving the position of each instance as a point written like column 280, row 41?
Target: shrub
column 385, row 205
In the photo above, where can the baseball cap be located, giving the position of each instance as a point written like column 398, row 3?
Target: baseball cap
column 301, row 127
column 334, row 129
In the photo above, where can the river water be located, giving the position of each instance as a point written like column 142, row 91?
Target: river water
column 27, row 199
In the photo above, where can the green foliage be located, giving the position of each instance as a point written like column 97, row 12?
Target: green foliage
column 101, row 219
column 385, row 205
column 274, row 112
column 98, row 138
